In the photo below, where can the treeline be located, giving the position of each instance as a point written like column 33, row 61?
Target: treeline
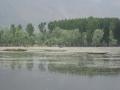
column 89, row 26
column 72, row 32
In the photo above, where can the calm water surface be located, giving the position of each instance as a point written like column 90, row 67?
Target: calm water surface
column 59, row 71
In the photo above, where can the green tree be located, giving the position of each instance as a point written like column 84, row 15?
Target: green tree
column 112, row 40
column 97, row 37
column 42, row 27
column 19, row 27
column 12, row 29
column 1, row 37
column 84, row 37
column 30, row 29
column 51, row 26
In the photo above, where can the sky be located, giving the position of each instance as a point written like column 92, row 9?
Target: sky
column 36, row 11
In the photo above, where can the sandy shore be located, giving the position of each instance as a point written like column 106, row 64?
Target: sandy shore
column 69, row 49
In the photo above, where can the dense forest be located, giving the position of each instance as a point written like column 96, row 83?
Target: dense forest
column 89, row 31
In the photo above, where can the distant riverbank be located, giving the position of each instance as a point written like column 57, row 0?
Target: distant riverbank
column 65, row 49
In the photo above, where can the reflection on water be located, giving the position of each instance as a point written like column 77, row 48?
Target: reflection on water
column 59, row 71
column 78, row 63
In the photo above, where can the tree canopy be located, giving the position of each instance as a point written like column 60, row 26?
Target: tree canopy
column 89, row 31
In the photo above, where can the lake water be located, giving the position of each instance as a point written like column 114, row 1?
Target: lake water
column 59, row 71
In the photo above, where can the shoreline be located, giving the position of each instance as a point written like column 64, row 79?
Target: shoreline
column 67, row 49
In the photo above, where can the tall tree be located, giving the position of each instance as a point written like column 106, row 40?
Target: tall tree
column 30, row 29
column 42, row 27
column 97, row 37
column 84, row 37
column 112, row 40
column 1, row 36
column 52, row 26
column 12, row 29
column 19, row 27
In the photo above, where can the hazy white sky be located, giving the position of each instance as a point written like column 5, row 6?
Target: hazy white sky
column 35, row 11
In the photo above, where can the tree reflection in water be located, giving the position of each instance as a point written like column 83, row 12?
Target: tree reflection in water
column 29, row 64
column 79, row 64
column 41, row 66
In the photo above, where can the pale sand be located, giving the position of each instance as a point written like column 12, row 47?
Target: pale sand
column 69, row 49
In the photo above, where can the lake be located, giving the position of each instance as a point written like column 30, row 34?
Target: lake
column 59, row 71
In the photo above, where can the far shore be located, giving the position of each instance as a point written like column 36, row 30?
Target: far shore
column 68, row 49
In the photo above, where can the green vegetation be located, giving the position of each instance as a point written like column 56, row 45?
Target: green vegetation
column 72, row 32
